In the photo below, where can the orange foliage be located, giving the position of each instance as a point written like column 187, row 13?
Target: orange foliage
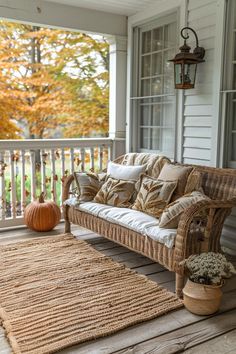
column 52, row 80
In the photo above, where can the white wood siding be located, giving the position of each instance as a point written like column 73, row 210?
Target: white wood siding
column 200, row 140
column 198, row 103
column 199, row 117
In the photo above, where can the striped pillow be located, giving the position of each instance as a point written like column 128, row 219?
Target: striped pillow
column 172, row 213
column 88, row 184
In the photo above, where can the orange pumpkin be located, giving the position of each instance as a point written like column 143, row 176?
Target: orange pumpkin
column 42, row 215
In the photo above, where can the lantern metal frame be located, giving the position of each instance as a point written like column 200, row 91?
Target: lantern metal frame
column 185, row 59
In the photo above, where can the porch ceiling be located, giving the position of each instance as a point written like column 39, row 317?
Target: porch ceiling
column 121, row 7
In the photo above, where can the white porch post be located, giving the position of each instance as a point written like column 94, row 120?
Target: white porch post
column 117, row 100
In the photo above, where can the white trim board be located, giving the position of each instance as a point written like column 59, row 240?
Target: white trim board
column 63, row 16
column 217, row 83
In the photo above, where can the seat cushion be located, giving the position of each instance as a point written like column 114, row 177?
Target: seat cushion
column 88, row 207
column 132, row 219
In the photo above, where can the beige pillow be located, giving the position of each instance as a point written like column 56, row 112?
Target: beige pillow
column 116, row 192
column 194, row 182
column 153, row 195
column 172, row 213
column 88, row 184
column 178, row 173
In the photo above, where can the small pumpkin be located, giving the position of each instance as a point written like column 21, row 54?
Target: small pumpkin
column 42, row 215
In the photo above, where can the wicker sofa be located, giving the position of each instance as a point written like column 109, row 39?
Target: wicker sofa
column 194, row 234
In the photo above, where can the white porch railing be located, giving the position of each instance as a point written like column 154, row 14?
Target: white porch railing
column 29, row 167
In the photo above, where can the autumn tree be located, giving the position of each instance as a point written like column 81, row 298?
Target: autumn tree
column 82, row 62
column 59, row 80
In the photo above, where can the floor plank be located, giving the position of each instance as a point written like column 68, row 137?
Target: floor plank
column 166, row 334
column 179, row 340
column 224, row 344
column 150, row 269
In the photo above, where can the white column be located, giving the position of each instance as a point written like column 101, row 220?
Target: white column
column 117, row 99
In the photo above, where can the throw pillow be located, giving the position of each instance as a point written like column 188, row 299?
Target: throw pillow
column 194, row 182
column 116, row 192
column 153, row 195
column 172, row 213
column 88, row 184
column 125, row 172
column 178, row 173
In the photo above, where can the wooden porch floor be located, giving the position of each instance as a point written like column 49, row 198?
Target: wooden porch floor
column 176, row 332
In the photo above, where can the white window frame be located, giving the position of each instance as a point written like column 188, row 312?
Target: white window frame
column 159, row 10
column 229, row 91
column 137, row 75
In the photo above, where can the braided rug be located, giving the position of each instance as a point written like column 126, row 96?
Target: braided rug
column 59, row 291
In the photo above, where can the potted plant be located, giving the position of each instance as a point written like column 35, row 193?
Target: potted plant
column 206, row 271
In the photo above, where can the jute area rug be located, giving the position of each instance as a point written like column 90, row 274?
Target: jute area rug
column 58, row 291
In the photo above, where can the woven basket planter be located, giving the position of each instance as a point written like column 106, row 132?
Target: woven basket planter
column 202, row 299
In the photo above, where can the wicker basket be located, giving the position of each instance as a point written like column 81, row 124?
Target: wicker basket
column 202, row 299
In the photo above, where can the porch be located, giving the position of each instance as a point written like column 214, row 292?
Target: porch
column 193, row 126
column 179, row 331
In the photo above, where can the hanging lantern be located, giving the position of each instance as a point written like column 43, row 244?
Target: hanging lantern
column 185, row 62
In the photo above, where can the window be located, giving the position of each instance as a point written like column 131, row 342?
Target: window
column 154, row 96
column 229, row 93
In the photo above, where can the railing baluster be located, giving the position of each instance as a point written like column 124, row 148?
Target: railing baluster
column 108, row 153
column 72, row 156
column 23, row 191
column 82, row 152
column 13, row 185
column 62, row 172
column 100, row 157
column 43, row 157
column 2, row 186
column 33, row 175
column 53, row 177
column 92, row 159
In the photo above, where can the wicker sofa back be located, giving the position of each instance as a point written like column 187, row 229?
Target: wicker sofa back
column 217, row 183
column 195, row 233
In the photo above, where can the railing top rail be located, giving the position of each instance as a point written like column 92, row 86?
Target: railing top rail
column 53, row 143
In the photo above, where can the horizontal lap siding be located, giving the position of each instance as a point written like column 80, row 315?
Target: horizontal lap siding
column 198, row 109
column 198, row 120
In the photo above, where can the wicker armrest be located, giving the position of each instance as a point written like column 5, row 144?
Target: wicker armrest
column 66, row 187
column 201, row 237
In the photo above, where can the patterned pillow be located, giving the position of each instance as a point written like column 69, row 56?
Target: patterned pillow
column 153, row 195
column 88, row 184
column 194, row 182
column 178, row 173
column 116, row 192
column 172, row 213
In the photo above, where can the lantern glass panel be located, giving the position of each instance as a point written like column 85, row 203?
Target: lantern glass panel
column 189, row 73
column 178, row 74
